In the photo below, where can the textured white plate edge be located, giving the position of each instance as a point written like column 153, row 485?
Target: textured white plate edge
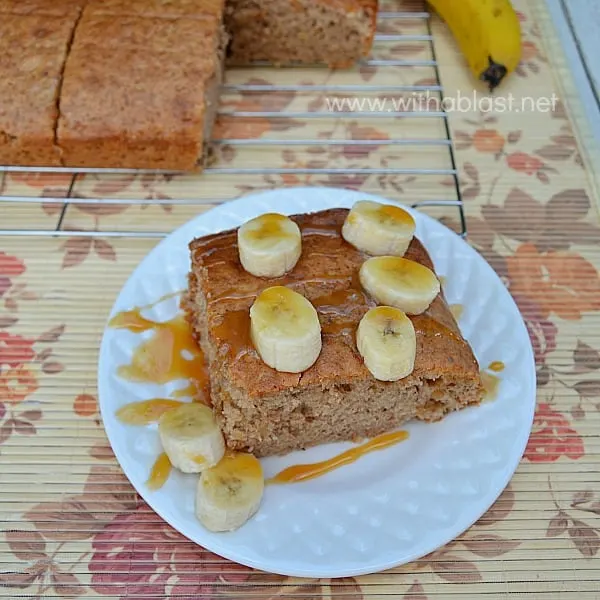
column 347, row 197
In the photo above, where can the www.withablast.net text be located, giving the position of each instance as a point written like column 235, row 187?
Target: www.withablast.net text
column 428, row 101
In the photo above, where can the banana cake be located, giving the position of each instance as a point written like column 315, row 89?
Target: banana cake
column 146, row 100
column 332, row 32
column 136, row 83
column 33, row 50
column 267, row 412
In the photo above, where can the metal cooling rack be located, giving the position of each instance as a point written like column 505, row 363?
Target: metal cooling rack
column 456, row 203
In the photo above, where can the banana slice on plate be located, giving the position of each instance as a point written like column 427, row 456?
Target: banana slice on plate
column 285, row 330
column 191, row 437
column 230, row 493
column 379, row 229
column 399, row 282
column 387, row 342
column 269, row 245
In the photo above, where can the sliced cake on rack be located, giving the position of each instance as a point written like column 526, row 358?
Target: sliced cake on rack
column 135, row 83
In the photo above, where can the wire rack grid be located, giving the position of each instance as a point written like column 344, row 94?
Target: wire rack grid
column 276, row 129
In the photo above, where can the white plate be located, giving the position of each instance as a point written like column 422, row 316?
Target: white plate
column 390, row 507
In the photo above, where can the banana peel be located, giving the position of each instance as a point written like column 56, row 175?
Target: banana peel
column 488, row 33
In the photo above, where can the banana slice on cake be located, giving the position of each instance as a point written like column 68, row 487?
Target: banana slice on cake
column 379, row 229
column 269, row 245
column 387, row 342
column 191, row 437
column 285, row 330
column 230, row 493
column 399, row 282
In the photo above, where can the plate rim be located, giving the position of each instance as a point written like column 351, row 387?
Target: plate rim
column 225, row 550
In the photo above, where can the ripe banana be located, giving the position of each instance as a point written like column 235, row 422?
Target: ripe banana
column 399, row 282
column 285, row 330
column 387, row 342
column 191, row 437
column 488, row 33
column 269, row 245
column 229, row 493
column 378, row 229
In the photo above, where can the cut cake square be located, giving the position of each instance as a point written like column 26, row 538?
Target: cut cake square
column 332, row 32
column 147, row 99
column 267, row 412
column 33, row 50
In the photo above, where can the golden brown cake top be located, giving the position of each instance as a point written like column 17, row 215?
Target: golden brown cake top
column 148, row 83
column 51, row 8
column 158, row 8
column 32, row 52
column 350, row 6
column 181, row 36
column 327, row 275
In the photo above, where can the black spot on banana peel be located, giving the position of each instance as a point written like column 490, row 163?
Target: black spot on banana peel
column 494, row 74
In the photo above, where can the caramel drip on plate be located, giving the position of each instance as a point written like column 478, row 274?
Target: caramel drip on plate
column 298, row 473
column 133, row 320
column 160, row 472
column 497, row 366
column 189, row 391
column 146, row 411
column 170, row 354
column 490, row 381
column 456, row 310
column 491, row 385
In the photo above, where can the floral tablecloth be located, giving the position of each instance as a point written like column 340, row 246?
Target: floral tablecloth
column 72, row 526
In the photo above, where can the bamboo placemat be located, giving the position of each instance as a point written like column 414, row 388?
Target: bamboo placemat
column 72, row 525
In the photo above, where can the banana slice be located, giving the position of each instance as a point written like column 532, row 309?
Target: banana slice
column 229, row 493
column 379, row 229
column 191, row 437
column 269, row 245
column 387, row 342
column 285, row 330
column 399, row 282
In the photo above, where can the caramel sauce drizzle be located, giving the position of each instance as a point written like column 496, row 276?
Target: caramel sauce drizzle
column 234, row 333
column 189, row 391
column 491, row 382
column 297, row 473
column 170, row 354
column 146, row 411
column 456, row 310
column 160, row 472
column 271, row 226
column 338, row 310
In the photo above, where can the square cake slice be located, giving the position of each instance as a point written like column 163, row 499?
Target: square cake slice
column 332, row 32
column 33, row 50
column 267, row 412
column 140, row 92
